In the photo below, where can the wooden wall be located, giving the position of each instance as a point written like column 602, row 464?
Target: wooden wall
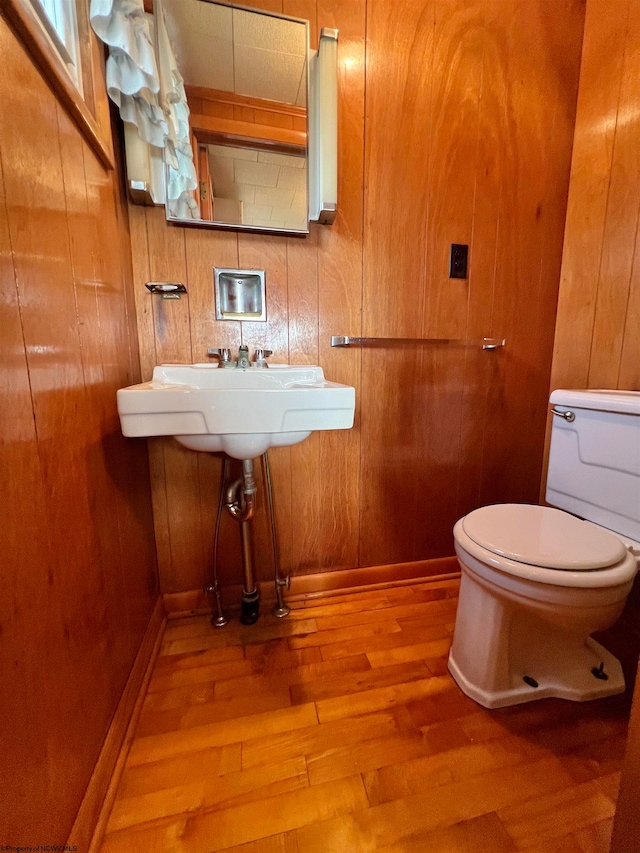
column 597, row 339
column 78, row 574
column 597, row 342
column 456, row 125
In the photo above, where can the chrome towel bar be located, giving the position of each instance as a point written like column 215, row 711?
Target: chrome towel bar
column 349, row 341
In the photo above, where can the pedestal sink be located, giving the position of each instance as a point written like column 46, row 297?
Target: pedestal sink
column 242, row 412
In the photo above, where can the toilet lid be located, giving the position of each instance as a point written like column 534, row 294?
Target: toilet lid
column 543, row 536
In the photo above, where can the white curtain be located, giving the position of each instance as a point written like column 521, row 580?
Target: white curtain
column 181, row 178
column 144, row 81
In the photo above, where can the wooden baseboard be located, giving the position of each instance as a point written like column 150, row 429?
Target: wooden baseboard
column 90, row 823
column 318, row 585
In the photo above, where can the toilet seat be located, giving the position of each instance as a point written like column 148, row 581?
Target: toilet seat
column 543, row 536
column 567, row 573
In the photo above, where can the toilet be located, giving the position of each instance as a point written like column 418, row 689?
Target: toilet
column 537, row 581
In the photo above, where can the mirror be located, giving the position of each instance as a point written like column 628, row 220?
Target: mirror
column 245, row 76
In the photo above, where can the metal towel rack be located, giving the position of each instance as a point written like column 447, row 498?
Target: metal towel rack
column 349, row 341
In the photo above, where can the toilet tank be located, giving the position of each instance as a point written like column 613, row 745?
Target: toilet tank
column 594, row 460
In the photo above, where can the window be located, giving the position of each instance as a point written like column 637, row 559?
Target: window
column 57, row 35
column 59, row 21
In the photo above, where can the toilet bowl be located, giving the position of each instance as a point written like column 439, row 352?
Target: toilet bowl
column 536, row 582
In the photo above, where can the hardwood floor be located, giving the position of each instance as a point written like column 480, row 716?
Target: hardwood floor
column 340, row 729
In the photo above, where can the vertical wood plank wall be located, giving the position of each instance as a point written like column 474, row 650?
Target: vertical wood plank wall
column 597, row 338
column 597, row 341
column 78, row 577
column 456, row 125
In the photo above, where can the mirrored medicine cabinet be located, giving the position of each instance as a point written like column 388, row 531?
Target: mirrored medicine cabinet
column 246, row 78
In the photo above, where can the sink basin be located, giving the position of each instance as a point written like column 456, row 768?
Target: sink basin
column 241, row 412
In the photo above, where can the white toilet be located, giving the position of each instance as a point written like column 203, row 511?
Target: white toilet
column 537, row 581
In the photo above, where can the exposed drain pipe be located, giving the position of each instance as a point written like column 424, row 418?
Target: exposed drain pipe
column 220, row 619
column 280, row 609
column 240, row 498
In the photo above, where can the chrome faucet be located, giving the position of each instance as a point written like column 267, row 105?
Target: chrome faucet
column 243, row 357
column 223, row 355
column 261, row 356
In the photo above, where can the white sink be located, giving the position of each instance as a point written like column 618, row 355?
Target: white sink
column 242, row 412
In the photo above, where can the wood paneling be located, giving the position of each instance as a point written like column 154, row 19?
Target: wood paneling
column 598, row 322
column 597, row 341
column 78, row 575
column 90, row 108
column 376, row 748
column 456, row 124
column 532, row 200
column 91, row 820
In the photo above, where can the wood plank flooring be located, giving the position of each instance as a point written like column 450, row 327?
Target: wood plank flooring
column 340, row 729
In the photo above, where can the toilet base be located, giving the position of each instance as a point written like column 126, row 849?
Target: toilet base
column 575, row 682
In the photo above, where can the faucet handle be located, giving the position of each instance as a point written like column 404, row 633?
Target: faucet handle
column 223, row 354
column 261, row 356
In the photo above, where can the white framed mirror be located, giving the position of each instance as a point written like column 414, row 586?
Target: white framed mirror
column 246, row 79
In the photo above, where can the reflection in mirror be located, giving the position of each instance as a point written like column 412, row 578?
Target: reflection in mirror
column 246, row 81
